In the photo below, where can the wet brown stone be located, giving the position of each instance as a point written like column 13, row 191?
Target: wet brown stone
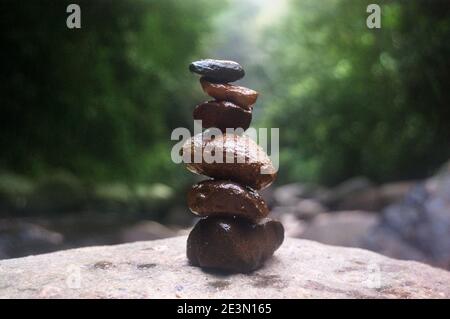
column 222, row 115
column 229, row 157
column 219, row 198
column 239, row 95
column 233, row 244
column 220, row 71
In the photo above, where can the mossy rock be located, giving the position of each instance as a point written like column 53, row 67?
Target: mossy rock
column 59, row 192
column 116, row 197
column 154, row 199
column 15, row 191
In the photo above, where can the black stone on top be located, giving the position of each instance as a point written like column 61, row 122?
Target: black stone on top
column 218, row 71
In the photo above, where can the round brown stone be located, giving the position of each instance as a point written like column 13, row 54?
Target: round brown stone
column 219, row 198
column 222, row 115
column 229, row 157
column 233, row 244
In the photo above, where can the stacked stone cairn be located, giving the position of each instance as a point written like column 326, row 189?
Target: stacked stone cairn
column 234, row 233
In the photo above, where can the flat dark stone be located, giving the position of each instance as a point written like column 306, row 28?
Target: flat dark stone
column 221, row 198
column 222, row 115
column 218, row 71
column 233, row 244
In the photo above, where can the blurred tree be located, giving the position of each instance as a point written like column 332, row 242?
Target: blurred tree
column 351, row 100
column 99, row 101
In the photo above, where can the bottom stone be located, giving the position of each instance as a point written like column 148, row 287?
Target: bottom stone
column 233, row 244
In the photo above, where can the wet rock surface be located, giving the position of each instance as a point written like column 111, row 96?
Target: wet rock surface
column 233, row 244
column 159, row 269
column 242, row 96
column 222, row 115
column 212, row 197
column 247, row 159
column 220, row 71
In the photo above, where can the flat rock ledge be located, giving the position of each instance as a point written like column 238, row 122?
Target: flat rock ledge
column 159, row 269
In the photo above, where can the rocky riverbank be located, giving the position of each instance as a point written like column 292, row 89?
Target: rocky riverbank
column 405, row 220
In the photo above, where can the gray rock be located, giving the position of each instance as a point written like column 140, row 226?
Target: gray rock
column 288, row 194
column 309, row 208
column 387, row 242
column 221, row 71
column 19, row 238
column 420, row 221
column 368, row 199
column 293, row 227
column 348, row 228
column 305, row 209
column 291, row 194
column 159, row 269
column 393, row 192
column 375, row 198
column 346, row 189
column 359, row 193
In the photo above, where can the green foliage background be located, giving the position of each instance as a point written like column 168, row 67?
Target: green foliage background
column 101, row 102
column 356, row 101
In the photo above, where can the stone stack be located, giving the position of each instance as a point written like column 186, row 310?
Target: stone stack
column 234, row 233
